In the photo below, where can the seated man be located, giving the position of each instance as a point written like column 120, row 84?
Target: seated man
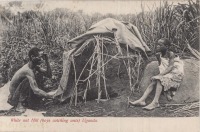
column 25, row 81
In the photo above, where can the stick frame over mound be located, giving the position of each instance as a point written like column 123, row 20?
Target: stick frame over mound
column 91, row 52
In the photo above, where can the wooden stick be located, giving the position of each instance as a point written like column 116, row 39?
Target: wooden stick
column 76, row 90
column 88, row 80
column 81, row 48
column 192, row 51
column 129, row 68
column 99, row 69
column 197, row 52
column 117, row 44
column 71, row 100
column 8, row 20
column 103, row 71
column 174, row 105
column 138, row 72
column 79, row 78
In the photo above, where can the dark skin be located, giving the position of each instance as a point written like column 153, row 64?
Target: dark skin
column 169, row 54
column 156, row 83
column 35, row 66
column 48, row 72
column 28, row 71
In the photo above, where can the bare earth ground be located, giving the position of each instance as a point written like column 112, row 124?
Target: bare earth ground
column 115, row 107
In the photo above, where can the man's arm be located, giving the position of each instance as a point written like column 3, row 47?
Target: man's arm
column 35, row 88
column 48, row 72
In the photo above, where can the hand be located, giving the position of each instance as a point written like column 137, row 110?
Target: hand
column 44, row 56
column 52, row 94
column 49, row 96
column 158, row 55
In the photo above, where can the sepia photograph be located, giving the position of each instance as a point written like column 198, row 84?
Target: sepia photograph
column 96, row 59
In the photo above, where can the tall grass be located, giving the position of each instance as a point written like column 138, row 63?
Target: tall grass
column 52, row 30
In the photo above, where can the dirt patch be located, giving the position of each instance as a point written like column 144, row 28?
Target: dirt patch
column 115, row 107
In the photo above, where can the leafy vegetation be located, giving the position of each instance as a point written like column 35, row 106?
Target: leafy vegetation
column 52, row 30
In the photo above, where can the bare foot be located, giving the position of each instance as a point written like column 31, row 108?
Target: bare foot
column 137, row 103
column 151, row 106
column 20, row 108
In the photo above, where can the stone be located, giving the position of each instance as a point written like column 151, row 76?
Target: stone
column 189, row 88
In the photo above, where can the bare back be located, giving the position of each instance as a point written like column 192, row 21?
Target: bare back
column 19, row 76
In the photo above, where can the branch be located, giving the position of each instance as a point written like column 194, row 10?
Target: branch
column 193, row 51
column 6, row 18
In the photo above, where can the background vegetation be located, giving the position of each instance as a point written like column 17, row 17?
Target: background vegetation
column 52, row 30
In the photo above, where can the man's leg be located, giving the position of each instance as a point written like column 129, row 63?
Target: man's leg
column 155, row 102
column 27, row 97
column 13, row 98
column 141, row 101
column 24, row 91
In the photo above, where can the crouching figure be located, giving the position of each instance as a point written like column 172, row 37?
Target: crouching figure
column 26, row 81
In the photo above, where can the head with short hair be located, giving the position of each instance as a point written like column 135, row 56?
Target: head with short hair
column 34, row 55
column 163, row 45
column 33, row 52
column 164, row 41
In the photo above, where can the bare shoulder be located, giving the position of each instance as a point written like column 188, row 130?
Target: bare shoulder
column 20, row 75
column 27, row 71
column 23, row 72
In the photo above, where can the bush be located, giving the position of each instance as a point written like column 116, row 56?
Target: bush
column 52, row 30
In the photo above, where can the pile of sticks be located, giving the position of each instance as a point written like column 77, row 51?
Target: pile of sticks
column 190, row 109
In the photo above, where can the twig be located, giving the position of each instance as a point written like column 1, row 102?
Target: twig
column 79, row 79
column 192, row 51
column 166, row 105
column 97, row 70
column 129, row 68
column 103, row 71
column 90, row 71
column 117, row 43
column 186, row 107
